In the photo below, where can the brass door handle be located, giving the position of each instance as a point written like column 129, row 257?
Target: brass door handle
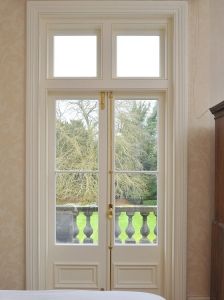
column 110, row 212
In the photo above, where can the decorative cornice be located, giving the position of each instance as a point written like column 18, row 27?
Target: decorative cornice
column 218, row 110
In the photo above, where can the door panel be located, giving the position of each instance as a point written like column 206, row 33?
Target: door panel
column 105, row 198
column 137, row 246
column 78, row 186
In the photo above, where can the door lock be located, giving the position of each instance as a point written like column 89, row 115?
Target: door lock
column 110, row 211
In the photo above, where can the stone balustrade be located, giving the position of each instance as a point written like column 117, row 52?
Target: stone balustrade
column 67, row 230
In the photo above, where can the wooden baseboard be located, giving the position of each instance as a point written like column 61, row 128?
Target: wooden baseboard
column 198, row 298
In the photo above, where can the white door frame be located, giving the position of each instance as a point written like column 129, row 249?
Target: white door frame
column 175, row 245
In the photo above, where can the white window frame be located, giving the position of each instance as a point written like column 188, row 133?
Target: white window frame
column 175, row 242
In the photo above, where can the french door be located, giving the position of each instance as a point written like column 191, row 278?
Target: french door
column 105, row 196
column 106, row 190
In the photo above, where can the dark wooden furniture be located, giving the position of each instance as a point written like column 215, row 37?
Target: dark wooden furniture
column 217, row 263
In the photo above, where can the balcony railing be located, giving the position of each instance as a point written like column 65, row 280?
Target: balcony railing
column 67, row 229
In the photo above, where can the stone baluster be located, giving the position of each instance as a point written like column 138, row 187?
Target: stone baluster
column 88, row 230
column 130, row 229
column 76, row 229
column 155, row 230
column 144, row 229
column 117, row 227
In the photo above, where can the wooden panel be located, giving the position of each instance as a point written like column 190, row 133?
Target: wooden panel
column 214, row 262
column 217, row 262
column 219, row 170
column 217, row 267
column 135, row 276
column 75, row 276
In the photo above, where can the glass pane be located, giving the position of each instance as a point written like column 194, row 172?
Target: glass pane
column 135, row 209
column 136, row 134
column 77, row 208
column 77, row 189
column 75, row 56
column 135, row 189
column 77, row 134
column 138, row 56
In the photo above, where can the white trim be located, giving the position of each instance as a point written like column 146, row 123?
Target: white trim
column 176, row 288
column 180, row 156
column 32, row 251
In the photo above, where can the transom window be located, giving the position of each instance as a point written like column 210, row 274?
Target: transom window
column 138, row 56
column 75, row 56
column 134, row 53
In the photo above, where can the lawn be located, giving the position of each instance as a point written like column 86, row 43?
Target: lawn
column 123, row 221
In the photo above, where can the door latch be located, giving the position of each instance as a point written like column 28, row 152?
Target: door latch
column 110, row 211
column 102, row 100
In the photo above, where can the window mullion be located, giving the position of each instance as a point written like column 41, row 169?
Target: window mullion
column 106, row 52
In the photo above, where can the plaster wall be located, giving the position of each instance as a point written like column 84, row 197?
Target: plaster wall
column 12, row 146
column 217, row 51
column 200, row 151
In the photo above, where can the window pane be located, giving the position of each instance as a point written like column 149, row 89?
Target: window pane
column 77, row 192
column 76, row 189
column 77, row 134
column 136, row 135
column 138, row 56
column 75, row 56
column 77, row 208
column 135, row 209
column 135, row 189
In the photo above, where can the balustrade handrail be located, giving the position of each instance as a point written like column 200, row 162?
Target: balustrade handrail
column 76, row 208
column 120, row 208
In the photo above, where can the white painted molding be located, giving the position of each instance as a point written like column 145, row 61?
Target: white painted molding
column 177, row 10
column 32, row 248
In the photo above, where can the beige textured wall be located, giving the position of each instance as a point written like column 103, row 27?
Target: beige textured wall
column 206, row 88
column 12, row 136
column 200, row 150
column 217, row 51
column 12, row 147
